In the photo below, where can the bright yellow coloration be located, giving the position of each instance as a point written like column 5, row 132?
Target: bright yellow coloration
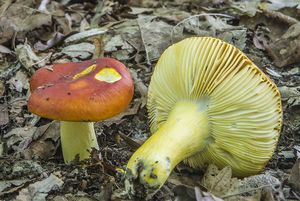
column 77, row 138
column 109, row 75
column 239, row 119
column 85, row 71
column 158, row 154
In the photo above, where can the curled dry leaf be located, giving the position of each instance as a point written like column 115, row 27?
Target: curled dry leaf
column 26, row 55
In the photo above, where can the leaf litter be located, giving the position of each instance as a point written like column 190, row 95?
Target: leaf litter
column 37, row 34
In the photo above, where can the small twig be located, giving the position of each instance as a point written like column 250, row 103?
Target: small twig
column 246, row 191
column 43, row 59
column 144, row 43
column 4, row 7
column 198, row 15
column 280, row 16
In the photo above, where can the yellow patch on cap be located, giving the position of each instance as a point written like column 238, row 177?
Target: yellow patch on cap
column 78, row 85
column 85, row 71
column 109, row 75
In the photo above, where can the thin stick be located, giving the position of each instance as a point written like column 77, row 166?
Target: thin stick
column 198, row 15
column 246, row 191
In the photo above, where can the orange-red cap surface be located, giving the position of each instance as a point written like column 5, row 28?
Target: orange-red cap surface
column 87, row 91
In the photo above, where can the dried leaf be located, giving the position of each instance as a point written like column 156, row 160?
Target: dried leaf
column 2, row 88
column 4, row 118
column 246, row 7
column 221, row 183
column 16, row 106
column 45, row 142
column 204, row 196
column 26, row 55
column 57, row 37
column 289, row 92
column 19, row 17
column 85, row 34
column 139, row 10
column 172, row 14
column 4, row 50
column 279, row 4
column 286, row 50
column 39, row 190
column 81, row 50
column 18, row 139
column 19, row 82
column 117, row 43
column 294, row 178
column 155, row 35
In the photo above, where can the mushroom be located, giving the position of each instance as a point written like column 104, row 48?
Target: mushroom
column 79, row 94
column 207, row 103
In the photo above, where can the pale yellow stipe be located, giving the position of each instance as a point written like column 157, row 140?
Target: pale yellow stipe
column 77, row 138
column 243, row 114
column 109, row 75
column 85, row 71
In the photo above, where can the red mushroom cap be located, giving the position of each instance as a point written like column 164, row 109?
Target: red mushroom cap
column 87, row 91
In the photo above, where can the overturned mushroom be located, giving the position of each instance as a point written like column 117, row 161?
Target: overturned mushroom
column 208, row 103
column 79, row 94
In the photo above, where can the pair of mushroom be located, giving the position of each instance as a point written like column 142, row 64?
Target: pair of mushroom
column 79, row 94
column 207, row 103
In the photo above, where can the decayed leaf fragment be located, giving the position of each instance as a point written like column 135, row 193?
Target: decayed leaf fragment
column 222, row 184
column 40, row 189
column 286, row 50
column 19, row 17
column 294, row 178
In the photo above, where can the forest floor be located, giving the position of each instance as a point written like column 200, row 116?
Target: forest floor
column 36, row 33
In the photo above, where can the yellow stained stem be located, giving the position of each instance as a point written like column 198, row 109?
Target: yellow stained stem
column 77, row 138
column 182, row 135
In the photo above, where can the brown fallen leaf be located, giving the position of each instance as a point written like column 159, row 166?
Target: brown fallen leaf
column 4, row 118
column 46, row 141
column 222, row 184
column 19, row 17
column 18, row 139
column 155, row 36
column 219, row 182
column 294, row 178
column 39, row 190
column 286, row 50
column 10, row 186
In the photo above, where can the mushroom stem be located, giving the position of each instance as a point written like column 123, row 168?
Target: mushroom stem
column 181, row 136
column 77, row 138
